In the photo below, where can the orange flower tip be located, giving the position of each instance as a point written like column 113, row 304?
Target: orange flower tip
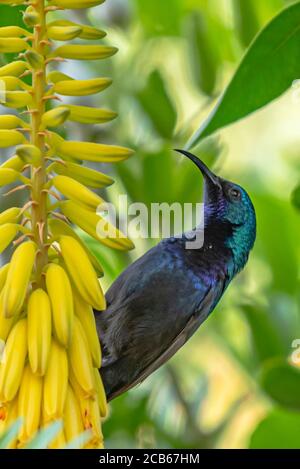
column 3, row 413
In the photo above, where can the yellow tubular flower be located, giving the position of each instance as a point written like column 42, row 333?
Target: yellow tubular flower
column 5, row 326
column 13, row 163
column 14, row 44
column 76, row 3
column 56, row 116
column 101, row 394
column 55, row 76
column 85, row 314
column 5, row 323
column 3, row 275
column 61, row 228
column 12, row 2
column 81, row 87
column 90, row 412
column 55, row 383
column 11, row 215
column 9, row 138
column 17, row 281
column 29, row 403
column 7, row 176
column 88, row 177
column 88, row 115
column 13, row 31
column 39, row 331
column 17, row 99
column 63, row 33
column 13, row 69
column 91, row 151
column 50, row 287
column 13, row 360
column 34, row 59
column 76, row 191
column 93, row 421
column 87, row 32
column 10, row 122
column 29, row 154
column 96, row 226
column 85, row 278
column 60, row 294
column 76, row 52
column 14, row 83
column 81, row 360
column 8, row 232
column 72, row 418
column 59, row 441
column 10, row 414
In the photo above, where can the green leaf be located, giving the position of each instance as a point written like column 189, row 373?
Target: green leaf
column 157, row 104
column 296, row 197
column 281, row 382
column 158, row 167
column 159, row 17
column 201, row 53
column 246, row 20
column 11, row 16
column 279, row 430
column 266, row 339
column 268, row 69
column 10, row 434
column 280, row 250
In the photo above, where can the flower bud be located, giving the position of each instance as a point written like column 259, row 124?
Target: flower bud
column 31, row 16
column 34, row 59
column 29, row 154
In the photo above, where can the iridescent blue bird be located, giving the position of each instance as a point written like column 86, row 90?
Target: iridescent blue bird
column 160, row 300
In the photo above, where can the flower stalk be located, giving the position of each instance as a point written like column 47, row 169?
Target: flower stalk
column 50, row 288
column 37, row 138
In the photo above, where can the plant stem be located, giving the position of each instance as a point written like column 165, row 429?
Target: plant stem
column 38, row 174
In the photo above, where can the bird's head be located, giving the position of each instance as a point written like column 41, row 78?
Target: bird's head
column 228, row 208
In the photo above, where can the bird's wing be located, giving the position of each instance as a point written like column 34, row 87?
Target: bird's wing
column 151, row 291
column 192, row 325
column 153, row 308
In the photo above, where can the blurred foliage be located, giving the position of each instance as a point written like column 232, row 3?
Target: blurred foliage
column 296, row 197
column 281, row 382
column 246, row 20
column 163, row 117
column 278, row 430
column 269, row 67
column 232, row 384
column 201, row 51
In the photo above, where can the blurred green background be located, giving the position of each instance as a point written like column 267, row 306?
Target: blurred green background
column 231, row 385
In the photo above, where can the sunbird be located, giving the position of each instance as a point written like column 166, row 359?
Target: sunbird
column 161, row 299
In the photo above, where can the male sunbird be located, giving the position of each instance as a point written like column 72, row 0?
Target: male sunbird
column 161, row 299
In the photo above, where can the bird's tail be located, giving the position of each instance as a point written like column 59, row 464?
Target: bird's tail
column 114, row 371
column 115, row 379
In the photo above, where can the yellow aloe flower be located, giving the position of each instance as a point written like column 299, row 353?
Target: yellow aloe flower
column 50, row 365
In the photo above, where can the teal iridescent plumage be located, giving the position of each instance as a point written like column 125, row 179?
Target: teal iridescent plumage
column 244, row 233
column 160, row 300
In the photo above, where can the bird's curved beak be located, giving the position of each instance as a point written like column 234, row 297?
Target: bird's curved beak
column 207, row 173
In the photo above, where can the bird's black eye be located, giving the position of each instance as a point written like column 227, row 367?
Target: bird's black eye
column 234, row 193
